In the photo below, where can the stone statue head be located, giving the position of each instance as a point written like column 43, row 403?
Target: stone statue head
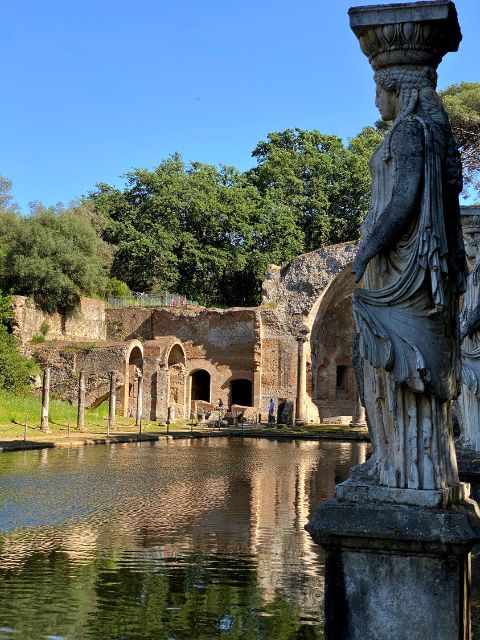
column 404, row 90
column 405, row 44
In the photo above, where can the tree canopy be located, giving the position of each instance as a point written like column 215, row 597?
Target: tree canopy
column 462, row 103
column 202, row 231
column 324, row 184
column 55, row 256
column 209, row 233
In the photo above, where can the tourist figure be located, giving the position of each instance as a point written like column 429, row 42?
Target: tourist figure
column 271, row 413
column 412, row 262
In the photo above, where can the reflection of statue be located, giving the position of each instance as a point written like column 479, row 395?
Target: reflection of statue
column 412, row 260
column 468, row 404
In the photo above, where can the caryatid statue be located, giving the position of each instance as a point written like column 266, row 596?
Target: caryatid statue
column 412, row 263
column 468, row 404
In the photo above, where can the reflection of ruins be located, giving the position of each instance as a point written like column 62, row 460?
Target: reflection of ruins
column 235, row 498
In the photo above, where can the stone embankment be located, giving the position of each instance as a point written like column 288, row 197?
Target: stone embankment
column 346, row 434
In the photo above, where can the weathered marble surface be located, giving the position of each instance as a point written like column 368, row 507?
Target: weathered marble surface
column 468, row 404
column 411, row 260
column 398, row 535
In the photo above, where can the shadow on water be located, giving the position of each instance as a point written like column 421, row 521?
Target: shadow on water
column 179, row 540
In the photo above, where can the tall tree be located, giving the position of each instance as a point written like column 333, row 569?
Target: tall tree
column 52, row 256
column 15, row 370
column 462, row 103
column 324, row 184
column 202, row 231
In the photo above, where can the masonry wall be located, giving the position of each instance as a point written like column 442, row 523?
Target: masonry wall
column 88, row 323
column 221, row 342
column 65, row 362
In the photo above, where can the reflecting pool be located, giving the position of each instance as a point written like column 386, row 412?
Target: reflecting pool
column 170, row 540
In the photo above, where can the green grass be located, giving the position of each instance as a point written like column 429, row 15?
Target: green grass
column 15, row 407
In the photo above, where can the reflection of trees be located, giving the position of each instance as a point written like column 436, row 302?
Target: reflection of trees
column 131, row 559
column 106, row 600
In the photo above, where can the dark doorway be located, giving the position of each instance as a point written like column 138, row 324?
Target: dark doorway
column 341, row 377
column 201, row 385
column 242, row 392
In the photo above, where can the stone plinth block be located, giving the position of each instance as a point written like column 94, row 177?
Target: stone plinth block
column 468, row 461
column 395, row 571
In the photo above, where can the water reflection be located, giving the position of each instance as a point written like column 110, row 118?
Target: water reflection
column 182, row 539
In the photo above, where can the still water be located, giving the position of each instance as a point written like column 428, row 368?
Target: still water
column 170, row 540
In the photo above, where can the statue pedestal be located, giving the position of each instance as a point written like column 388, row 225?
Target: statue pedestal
column 395, row 571
column 468, row 461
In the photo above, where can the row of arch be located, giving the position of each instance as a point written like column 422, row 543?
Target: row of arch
column 182, row 387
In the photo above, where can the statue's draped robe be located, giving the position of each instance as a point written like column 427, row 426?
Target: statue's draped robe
column 468, row 403
column 407, row 330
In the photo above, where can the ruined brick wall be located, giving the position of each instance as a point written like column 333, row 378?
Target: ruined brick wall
column 279, row 360
column 129, row 323
column 221, row 342
column 88, row 323
column 295, row 289
column 332, row 375
column 66, row 360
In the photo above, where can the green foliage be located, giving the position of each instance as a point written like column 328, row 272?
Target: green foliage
column 323, row 184
column 44, row 328
column 117, row 289
column 42, row 333
column 15, row 370
column 462, row 103
column 37, row 339
column 209, row 233
column 53, row 256
column 201, row 231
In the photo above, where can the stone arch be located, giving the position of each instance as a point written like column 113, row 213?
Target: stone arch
column 333, row 386
column 165, row 377
column 133, row 365
column 176, row 365
column 200, row 385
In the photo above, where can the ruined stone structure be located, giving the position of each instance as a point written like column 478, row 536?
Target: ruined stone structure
column 243, row 356
column 88, row 323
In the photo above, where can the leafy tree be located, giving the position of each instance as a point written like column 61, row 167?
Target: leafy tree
column 15, row 370
column 52, row 256
column 202, row 231
column 462, row 103
column 324, row 184
column 209, row 233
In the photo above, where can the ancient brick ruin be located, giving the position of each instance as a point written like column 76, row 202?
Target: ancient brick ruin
column 244, row 356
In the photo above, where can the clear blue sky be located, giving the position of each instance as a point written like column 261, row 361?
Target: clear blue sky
column 94, row 88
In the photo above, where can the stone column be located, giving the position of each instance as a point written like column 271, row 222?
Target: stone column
column 399, row 532
column 358, row 419
column 138, row 414
column 112, row 402
column 81, row 401
column 302, row 337
column 45, row 401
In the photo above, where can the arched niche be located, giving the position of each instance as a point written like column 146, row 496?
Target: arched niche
column 176, row 365
column 200, row 386
column 133, row 367
column 333, row 380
